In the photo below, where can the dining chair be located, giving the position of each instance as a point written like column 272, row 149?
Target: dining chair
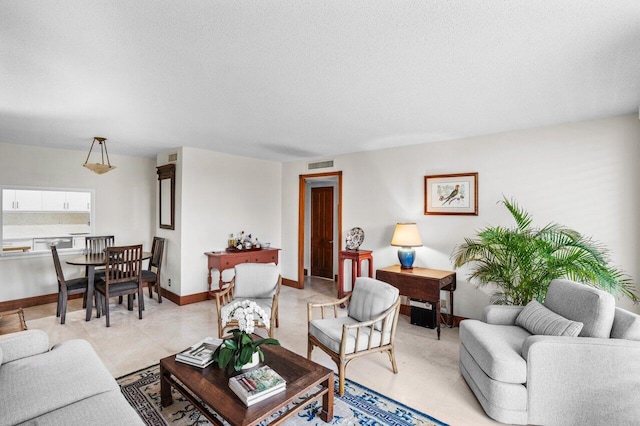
column 98, row 244
column 148, row 275
column 369, row 326
column 123, row 276
column 259, row 282
column 66, row 287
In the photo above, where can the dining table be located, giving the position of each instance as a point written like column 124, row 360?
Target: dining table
column 91, row 261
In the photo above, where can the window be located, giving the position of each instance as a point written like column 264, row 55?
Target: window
column 35, row 218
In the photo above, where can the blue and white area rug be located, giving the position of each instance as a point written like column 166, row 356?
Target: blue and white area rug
column 358, row 406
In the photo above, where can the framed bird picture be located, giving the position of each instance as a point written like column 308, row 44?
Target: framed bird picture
column 451, row 194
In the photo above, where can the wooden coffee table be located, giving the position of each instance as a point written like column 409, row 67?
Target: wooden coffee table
column 211, row 385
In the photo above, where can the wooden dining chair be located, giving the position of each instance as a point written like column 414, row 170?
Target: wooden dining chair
column 67, row 287
column 123, row 276
column 149, row 276
column 98, row 244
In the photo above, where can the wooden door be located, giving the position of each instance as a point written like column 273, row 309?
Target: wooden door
column 322, row 232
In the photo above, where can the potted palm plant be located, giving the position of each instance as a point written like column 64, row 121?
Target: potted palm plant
column 523, row 260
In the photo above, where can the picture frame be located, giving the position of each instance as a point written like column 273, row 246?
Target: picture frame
column 452, row 194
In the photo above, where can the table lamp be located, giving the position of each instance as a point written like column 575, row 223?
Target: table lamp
column 406, row 236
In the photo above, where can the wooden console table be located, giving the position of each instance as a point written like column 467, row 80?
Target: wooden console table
column 356, row 257
column 421, row 283
column 223, row 260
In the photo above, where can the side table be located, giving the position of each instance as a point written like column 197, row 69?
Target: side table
column 356, row 257
column 224, row 260
column 421, row 283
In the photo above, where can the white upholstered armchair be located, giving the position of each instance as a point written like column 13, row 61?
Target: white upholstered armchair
column 259, row 282
column 573, row 361
column 369, row 326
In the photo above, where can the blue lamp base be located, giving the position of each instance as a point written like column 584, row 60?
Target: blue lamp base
column 406, row 255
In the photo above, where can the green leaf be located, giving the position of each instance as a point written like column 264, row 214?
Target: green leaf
column 225, row 358
column 521, row 261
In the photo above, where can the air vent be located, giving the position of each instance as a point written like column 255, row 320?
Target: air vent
column 321, row 165
column 173, row 157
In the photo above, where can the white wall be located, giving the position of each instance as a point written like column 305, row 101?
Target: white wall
column 221, row 194
column 124, row 206
column 583, row 175
column 171, row 264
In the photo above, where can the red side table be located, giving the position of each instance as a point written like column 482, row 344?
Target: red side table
column 356, row 257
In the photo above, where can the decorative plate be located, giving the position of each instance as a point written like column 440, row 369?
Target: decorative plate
column 355, row 237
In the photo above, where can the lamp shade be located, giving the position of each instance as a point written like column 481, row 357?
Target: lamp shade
column 406, row 235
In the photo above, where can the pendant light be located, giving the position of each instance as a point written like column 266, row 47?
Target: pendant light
column 99, row 168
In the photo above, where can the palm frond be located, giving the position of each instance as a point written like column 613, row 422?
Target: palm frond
column 522, row 261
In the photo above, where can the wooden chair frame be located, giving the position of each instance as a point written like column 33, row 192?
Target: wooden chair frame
column 124, row 264
column 225, row 296
column 157, row 252
column 342, row 358
column 97, row 244
column 63, row 291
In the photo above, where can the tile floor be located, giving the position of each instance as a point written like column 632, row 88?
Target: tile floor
column 428, row 378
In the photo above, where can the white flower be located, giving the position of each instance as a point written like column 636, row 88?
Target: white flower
column 246, row 312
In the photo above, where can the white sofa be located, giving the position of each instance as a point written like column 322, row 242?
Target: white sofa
column 67, row 384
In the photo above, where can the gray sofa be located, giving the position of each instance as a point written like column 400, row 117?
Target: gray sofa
column 67, row 385
column 525, row 368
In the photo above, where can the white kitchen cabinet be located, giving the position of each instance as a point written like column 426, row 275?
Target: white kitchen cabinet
column 79, row 201
column 8, row 199
column 21, row 200
column 54, row 201
column 63, row 201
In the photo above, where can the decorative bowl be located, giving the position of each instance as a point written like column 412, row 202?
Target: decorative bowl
column 265, row 245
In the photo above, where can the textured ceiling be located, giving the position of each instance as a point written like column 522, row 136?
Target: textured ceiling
column 286, row 80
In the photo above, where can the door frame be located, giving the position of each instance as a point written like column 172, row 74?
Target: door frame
column 302, row 185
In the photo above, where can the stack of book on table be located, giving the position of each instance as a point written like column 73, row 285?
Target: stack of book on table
column 200, row 354
column 256, row 385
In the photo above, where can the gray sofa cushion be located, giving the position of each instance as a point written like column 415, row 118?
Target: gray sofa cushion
column 23, row 344
column 626, row 325
column 371, row 298
column 496, row 349
column 506, row 402
column 580, row 302
column 537, row 319
column 105, row 409
column 501, row 314
column 39, row 384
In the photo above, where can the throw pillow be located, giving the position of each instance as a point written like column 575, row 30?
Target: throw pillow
column 537, row 319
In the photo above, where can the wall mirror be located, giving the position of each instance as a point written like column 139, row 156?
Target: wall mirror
column 167, row 196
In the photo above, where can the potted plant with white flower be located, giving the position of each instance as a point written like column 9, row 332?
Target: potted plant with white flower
column 240, row 350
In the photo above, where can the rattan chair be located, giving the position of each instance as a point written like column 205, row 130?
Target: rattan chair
column 123, row 276
column 67, row 287
column 369, row 327
column 259, row 282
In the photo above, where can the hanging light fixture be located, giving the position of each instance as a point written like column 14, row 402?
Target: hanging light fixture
column 99, row 168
